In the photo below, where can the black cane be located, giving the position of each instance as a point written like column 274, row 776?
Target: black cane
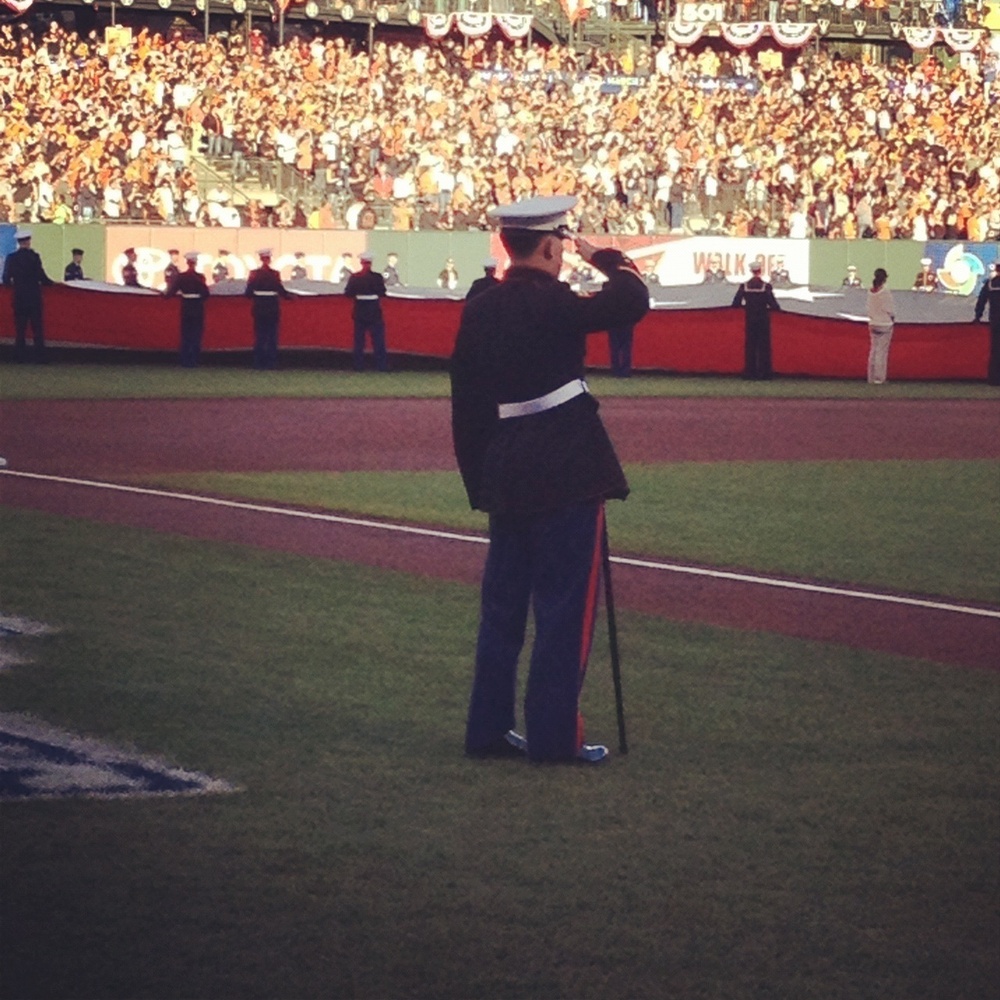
column 616, row 668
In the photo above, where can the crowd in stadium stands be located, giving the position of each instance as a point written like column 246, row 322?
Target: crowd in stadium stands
column 429, row 135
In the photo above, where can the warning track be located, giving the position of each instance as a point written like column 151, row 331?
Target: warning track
column 65, row 458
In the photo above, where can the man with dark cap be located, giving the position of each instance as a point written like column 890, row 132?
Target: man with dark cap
column 191, row 287
column 757, row 296
column 534, row 454
column 367, row 288
column 264, row 288
column 486, row 282
column 23, row 271
column 74, row 269
column 990, row 294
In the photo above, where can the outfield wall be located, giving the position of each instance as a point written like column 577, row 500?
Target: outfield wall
column 674, row 260
column 701, row 336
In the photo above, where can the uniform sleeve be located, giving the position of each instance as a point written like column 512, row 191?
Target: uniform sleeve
column 771, row 300
column 739, row 296
column 622, row 300
column 981, row 301
column 474, row 413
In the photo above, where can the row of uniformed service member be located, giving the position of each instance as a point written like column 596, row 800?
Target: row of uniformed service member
column 265, row 289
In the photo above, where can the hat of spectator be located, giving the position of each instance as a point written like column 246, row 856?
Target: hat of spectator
column 366, row 255
column 22, row 234
column 851, row 267
column 544, row 214
column 192, row 256
column 926, row 261
column 490, row 263
column 266, row 252
column 75, row 251
column 755, row 266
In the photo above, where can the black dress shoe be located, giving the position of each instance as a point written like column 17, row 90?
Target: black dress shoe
column 511, row 744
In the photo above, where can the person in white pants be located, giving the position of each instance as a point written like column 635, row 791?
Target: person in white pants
column 881, row 316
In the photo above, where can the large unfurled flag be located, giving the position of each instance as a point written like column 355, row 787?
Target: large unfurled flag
column 21, row 6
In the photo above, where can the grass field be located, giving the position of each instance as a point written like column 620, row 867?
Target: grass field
column 925, row 527
column 795, row 820
column 108, row 381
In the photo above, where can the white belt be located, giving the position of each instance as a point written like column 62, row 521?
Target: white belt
column 265, row 293
column 547, row 402
column 190, row 295
column 366, row 298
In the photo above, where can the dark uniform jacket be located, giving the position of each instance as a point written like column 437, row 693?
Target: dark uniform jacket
column 73, row 272
column 23, row 270
column 758, row 296
column 990, row 292
column 187, row 284
column 367, row 288
column 264, row 287
column 480, row 285
column 518, row 341
column 130, row 276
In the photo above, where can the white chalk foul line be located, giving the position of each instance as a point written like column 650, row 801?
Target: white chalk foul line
column 406, row 529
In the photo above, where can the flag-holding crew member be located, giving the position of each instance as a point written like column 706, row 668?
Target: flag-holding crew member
column 192, row 289
column 24, row 273
column 265, row 290
column 989, row 295
column 533, row 454
column 757, row 298
column 367, row 288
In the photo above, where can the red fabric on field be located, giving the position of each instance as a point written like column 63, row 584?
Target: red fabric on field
column 695, row 341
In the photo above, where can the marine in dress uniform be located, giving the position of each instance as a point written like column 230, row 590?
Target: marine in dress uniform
column 220, row 270
column 780, row 278
column 534, row 454
column 989, row 294
column 757, row 298
column 391, row 272
column 486, row 282
column 926, row 279
column 173, row 268
column 264, row 289
column 852, row 280
column 192, row 289
column 74, row 269
column 367, row 289
column 130, row 275
column 23, row 271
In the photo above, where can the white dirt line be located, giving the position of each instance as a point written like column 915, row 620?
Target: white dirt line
column 406, row 529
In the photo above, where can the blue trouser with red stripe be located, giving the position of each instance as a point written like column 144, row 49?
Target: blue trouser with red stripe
column 552, row 563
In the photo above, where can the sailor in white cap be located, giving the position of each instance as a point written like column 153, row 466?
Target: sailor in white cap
column 24, row 273
column 926, row 279
column 367, row 288
column 264, row 289
column 757, row 296
column 192, row 289
column 534, row 455
column 487, row 281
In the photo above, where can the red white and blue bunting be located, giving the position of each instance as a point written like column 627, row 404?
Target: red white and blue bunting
column 742, row 36
column 795, row 36
column 475, row 25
